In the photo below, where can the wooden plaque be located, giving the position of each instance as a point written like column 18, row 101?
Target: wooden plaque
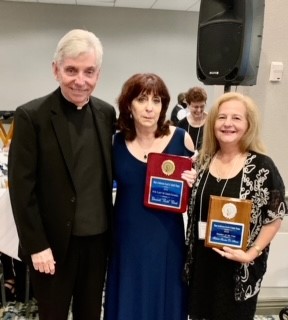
column 164, row 189
column 228, row 222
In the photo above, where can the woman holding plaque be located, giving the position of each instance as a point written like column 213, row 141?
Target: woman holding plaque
column 144, row 279
column 224, row 281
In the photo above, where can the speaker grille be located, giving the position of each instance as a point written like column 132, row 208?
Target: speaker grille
column 229, row 41
column 220, row 53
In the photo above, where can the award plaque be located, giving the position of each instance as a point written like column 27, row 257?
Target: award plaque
column 164, row 187
column 228, row 222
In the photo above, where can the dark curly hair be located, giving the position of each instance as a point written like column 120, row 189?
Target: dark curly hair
column 137, row 84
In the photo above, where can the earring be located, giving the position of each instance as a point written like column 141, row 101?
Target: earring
column 131, row 116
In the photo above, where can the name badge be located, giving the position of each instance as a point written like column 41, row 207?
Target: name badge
column 202, row 230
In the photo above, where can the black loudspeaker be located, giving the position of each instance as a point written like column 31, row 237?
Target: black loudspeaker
column 229, row 41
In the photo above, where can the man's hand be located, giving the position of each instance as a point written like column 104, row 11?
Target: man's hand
column 44, row 261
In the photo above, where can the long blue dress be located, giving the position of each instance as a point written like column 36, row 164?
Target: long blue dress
column 144, row 279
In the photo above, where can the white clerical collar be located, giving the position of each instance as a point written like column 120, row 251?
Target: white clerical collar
column 81, row 107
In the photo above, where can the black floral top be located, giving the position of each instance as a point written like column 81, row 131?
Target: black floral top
column 262, row 183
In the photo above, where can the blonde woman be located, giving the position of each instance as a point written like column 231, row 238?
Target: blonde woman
column 224, row 283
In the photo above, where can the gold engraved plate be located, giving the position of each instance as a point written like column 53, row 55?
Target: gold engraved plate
column 168, row 167
column 229, row 211
column 164, row 187
column 228, row 222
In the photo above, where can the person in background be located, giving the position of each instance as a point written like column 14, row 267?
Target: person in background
column 179, row 111
column 144, row 277
column 224, row 283
column 14, row 272
column 60, row 179
column 196, row 98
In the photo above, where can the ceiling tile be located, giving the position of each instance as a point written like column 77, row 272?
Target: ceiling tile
column 182, row 5
column 107, row 3
column 195, row 6
column 22, row 0
column 57, row 1
column 144, row 4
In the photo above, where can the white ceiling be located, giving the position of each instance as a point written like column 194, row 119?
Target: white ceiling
column 181, row 5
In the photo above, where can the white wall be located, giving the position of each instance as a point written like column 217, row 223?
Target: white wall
column 272, row 97
column 135, row 40
column 157, row 41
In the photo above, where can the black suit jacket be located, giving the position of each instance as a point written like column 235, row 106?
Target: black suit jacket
column 174, row 114
column 42, row 191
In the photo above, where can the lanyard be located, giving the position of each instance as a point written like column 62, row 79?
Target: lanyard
column 204, row 185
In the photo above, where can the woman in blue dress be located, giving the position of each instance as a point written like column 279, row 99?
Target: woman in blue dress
column 144, row 279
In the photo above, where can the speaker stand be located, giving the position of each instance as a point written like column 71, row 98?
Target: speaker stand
column 227, row 88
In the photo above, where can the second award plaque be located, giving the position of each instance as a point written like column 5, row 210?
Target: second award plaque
column 228, row 222
column 164, row 187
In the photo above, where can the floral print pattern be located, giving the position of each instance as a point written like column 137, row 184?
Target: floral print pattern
column 262, row 183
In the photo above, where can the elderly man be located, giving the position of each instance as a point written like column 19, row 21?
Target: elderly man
column 60, row 180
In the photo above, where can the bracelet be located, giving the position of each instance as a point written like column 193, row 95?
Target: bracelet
column 257, row 248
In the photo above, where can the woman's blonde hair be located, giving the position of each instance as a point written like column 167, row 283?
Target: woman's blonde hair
column 251, row 139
